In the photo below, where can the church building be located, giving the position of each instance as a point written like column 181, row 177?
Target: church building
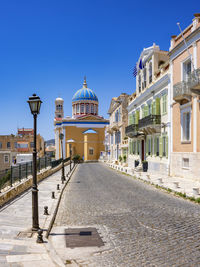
column 84, row 132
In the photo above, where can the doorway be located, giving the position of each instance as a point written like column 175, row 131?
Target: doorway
column 142, row 150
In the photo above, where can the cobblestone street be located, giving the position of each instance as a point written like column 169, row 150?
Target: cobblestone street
column 140, row 225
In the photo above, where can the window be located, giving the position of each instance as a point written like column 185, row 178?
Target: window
column 150, row 72
column 31, row 144
column 82, row 108
column 15, row 144
column 8, row 144
column 111, row 137
column 139, row 83
column 6, row 158
column 95, row 109
column 157, row 146
column 92, row 108
column 22, row 145
column 0, row 145
column 187, row 68
column 119, row 115
column 77, row 108
column 145, row 78
column 149, row 109
column 87, row 109
column 91, row 151
column 138, row 147
column 164, row 104
column 59, row 107
column 149, row 146
column 185, row 163
column 186, row 126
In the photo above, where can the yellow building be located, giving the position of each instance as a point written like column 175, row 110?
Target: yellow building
column 84, row 132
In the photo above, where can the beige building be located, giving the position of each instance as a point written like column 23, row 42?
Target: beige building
column 116, row 130
column 149, row 120
column 11, row 145
column 185, row 86
column 84, row 131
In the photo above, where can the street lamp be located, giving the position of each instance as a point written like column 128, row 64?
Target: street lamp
column 34, row 104
column 61, row 135
column 70, row 141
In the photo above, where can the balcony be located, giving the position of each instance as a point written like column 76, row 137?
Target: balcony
column 150, row 124
column 131, row 130
column 194, row 81
column 181, row 91
column 116, row 125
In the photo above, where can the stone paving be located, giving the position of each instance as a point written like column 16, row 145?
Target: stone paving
column 140, row 225
column 18, row 246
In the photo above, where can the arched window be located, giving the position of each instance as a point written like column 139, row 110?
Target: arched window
column 87, row 109
column 82, row 108
column 150, row 72
column 77, row 108
column 95, row 109
column 92, row 108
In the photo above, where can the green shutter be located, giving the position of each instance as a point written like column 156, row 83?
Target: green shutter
column 160, row 146
column 134, row 147
column 151, row 146
column 134, row 118
column 158, row 106
column 129, row 150
column 137, row 117
column 129, row 120
column 166, row 146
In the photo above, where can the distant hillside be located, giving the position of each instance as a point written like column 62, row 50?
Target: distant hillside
column 50, row 142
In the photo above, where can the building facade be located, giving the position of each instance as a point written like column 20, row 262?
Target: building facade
column 11, row 145
column 118, row 117
column 148, row 112
column 84, row 131
column 185, row 86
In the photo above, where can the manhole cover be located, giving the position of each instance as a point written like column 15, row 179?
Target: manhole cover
column 82, row 237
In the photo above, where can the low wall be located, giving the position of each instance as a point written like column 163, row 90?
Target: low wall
column 25, row 185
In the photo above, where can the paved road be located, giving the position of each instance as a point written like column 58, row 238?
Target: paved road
column 141, row 225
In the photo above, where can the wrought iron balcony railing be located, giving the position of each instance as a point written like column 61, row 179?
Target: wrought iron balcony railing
column 181, row 91
column 194, row 81
column 131, row 130
column 150, row 120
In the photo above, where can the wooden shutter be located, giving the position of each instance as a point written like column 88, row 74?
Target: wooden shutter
column 157, row 106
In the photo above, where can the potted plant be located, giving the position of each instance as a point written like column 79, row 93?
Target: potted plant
column 76, row 158
column 145, row 166
column 136, row 163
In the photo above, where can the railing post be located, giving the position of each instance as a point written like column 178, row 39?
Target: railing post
column 20, row 172
column 11, row 176
column 26, row 170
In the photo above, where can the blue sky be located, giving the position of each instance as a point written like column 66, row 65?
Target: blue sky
column 47, row 46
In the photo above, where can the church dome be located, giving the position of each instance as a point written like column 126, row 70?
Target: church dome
column 84, row 94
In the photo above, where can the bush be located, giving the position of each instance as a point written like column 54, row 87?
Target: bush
column 5, row 179
column 77, row 158
column 120, row 158
column 124, row 157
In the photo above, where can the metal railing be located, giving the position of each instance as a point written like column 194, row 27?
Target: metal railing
column 131, row 130
column 16, row 173
column 149, row 120
column 180, row 90
column 194, row 81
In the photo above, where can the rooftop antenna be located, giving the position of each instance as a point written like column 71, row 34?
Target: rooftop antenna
column 178, row 23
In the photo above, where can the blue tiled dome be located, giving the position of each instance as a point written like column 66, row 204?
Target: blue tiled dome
column 84, row 94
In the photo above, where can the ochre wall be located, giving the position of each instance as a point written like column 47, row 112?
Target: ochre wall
column 95, row 140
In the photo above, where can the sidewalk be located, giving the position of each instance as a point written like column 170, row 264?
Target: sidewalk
column 177, row 184
column 18, row 245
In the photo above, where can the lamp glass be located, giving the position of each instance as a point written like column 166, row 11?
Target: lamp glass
column 34, row 104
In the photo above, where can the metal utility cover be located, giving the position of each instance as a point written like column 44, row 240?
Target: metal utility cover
column 82, row 237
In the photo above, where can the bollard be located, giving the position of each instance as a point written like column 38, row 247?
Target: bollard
column 40, row 237
column 58, row 187
column 52, row 194
column 46, row 210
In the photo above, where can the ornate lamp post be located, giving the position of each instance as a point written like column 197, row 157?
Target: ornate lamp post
column 61, row 136
column 70, row 141
column 34, row 104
